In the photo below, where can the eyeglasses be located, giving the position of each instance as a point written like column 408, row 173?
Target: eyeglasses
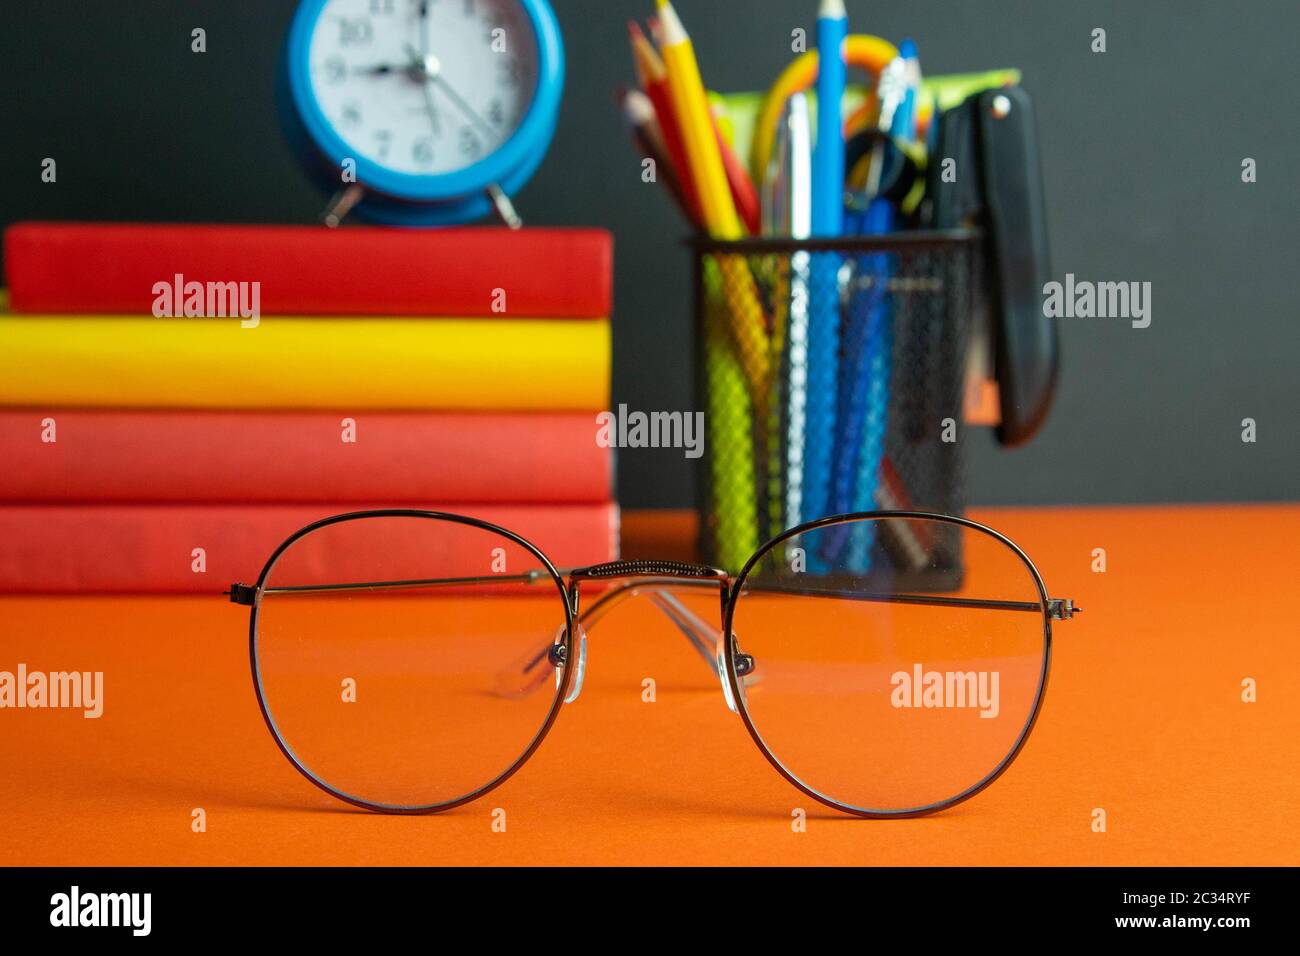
column 887, row 664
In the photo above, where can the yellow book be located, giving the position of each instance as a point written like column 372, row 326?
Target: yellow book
column 464, row 364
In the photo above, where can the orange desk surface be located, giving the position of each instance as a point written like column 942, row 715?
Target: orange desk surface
column 1143, row 718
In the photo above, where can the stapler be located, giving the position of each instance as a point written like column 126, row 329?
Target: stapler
column 998, row 189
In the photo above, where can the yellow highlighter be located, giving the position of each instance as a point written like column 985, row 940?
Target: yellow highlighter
column 704, row 157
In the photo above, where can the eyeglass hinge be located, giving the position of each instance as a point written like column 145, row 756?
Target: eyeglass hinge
column 1062, row 609
column 242, row 594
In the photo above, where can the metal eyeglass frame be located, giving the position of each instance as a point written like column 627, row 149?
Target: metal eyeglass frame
column 661, row 579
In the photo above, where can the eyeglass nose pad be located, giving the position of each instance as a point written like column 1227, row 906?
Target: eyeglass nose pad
column 726, row 684
column 581, row 672
column 722, row 677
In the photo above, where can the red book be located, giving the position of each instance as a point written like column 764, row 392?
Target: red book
column 246, row 457
column 106, row 549
column 311, row 270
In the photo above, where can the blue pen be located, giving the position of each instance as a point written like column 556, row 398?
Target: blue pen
column 868, row 339
column 824, row 292
column 880, row 342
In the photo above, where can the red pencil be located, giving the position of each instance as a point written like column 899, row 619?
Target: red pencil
column 743, row 192
column 653, row 78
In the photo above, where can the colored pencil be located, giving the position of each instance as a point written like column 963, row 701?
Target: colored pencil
column 653, row 79
column 639, row 112
column 828, row 155
column 824, row 291
column 743, row 193
column 705, row 162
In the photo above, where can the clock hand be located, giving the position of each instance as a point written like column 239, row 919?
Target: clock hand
column 419, row 70
column 432, row 71
column 424, row 29
column 463, row 106
column 431, row 109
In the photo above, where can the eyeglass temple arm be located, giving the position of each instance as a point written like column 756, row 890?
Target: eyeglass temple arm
column 529, row 673
column 247, row 594
column 1058, row 609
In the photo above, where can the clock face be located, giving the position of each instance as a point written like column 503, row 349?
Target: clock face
column 423, row 87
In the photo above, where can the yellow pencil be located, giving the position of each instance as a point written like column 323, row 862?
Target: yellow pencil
column 704, row 158
column 697, row 126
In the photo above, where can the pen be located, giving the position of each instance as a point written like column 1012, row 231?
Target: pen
column 875, row 366
column 788, row 199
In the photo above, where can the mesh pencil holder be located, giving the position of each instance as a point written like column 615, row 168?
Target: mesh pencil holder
column 831, row 377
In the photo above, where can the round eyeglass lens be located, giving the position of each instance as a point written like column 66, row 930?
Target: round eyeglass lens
column 390, row 655
column 894, row 664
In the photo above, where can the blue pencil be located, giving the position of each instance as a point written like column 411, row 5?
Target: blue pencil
column 824, row 292
column 828, row 159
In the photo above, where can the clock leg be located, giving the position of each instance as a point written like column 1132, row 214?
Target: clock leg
column 504, row 207
column 342, row 204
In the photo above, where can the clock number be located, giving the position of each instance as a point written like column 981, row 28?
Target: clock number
column 335, row 69
column 509, row 73
column 497, row 112
column 352, row 113
column 381, row 7
column 470, row 144
column 355, row 32
column 422, row 151
column 385, row 138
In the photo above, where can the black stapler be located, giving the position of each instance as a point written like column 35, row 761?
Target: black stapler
column 998, row 189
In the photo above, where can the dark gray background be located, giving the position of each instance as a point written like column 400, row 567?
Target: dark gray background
column 1142, row 147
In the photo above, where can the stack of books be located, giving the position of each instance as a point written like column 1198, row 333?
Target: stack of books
column 177, row 400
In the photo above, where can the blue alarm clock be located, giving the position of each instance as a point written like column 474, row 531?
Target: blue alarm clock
column 423, row 112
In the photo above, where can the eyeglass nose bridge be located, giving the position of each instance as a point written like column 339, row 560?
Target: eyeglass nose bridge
column 643, row 567
column 685, row 619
